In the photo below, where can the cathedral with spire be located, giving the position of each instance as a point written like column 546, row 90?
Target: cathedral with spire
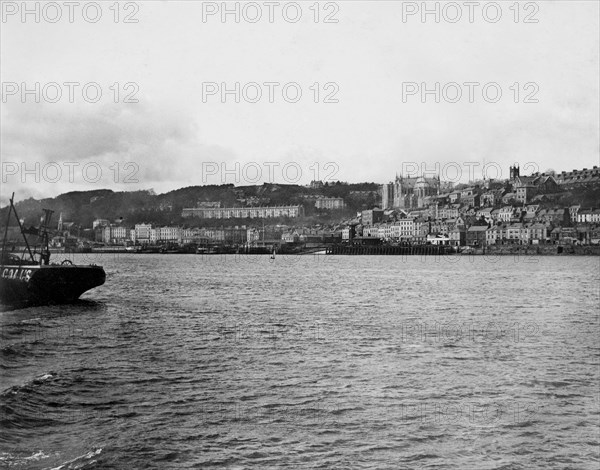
column 409, row 192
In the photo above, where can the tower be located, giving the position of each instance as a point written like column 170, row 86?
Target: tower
column 398, row 194
column 387, row 196
column 514, row 172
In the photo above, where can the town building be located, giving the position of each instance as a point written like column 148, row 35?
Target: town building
column 368, row 231
column 449, row 212
column 115, row 234
column 589, row 216
column 406, row 229
column 476, row 235
column 96, row 223
column 573, row 211
column 168, row 234
column 409, row 192
column 141, row 233
column 590, row 177
column 244, row 212
column 506, row 214
column 332, row 203
column 458, row 236
column 371, row 216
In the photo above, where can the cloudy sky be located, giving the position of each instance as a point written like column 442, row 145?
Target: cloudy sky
column 131, row 97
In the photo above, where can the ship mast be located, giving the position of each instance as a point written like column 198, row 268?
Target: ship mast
column 44, row 249
column 14, row 209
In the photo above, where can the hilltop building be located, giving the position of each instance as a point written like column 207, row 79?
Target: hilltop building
column 409, row 192
column 333, row 203
column 590, row 177
column 244, row 212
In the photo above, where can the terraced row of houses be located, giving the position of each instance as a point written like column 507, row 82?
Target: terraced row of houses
column 146, row 234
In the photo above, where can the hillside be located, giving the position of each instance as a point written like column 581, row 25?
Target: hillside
column 83, row 207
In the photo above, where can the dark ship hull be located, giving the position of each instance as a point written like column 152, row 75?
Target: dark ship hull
column 47, row 283
column 36, row 281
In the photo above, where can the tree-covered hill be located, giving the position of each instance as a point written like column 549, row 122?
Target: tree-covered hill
column 83, row 207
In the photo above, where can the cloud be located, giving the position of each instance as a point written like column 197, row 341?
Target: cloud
column 136, row 146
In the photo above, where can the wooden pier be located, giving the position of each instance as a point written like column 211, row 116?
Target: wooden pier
column 405, row 250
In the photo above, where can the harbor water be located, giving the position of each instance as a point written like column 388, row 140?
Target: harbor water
column 325, row 362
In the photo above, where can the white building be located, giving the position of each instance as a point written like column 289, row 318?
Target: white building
column 114, row 234
column 506, row 213
column 244, row 212
column 169, row 234
column 142, row 233
column 330, row 203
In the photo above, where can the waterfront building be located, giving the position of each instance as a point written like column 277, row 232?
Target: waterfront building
column 369, row 231
column 538, row 233
column 476, row 235
column 458, row 236
column 513, row 233
column 346, row 231
column 192, row 235
column 438, row 240
column 142, row 233
column 493, row 235
column 406, row 228
column 420, row 231
column 290, row 237
column 439, row 227
column 168, row 234
column 395, row 231
column 114, row 234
